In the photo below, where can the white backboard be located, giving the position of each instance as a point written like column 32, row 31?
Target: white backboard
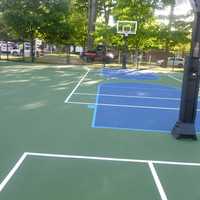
column 127, row 27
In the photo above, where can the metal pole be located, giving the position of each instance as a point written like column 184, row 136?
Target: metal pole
column 185, row 127
column 125, row 52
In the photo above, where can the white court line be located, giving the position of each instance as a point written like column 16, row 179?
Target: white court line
column 13, row 171
column 113, row 159
column 127, row 96
column 139, row 89
column 78, row 84
column 87, row 157
column 24, row 156
column 178, row 81
column 123, row 106
column 170, row 76
column 157, row 181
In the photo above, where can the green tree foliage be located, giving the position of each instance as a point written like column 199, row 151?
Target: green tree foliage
column 105, row 8
column 175, row 35
column 6, row 33
column 143, row 13
column 104, row 34
column 66, row 22
column 55, row 24
column 78, row 19
column 35, row 18
column 152, row 34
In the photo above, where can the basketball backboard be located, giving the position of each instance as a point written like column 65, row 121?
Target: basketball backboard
column 127, row 27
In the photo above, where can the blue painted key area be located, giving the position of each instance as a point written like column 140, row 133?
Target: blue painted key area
column 129, row 74
column 135, row 106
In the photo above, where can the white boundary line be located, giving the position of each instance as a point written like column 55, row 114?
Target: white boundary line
column 126, row 96
column 149, row 162
column 78, row 84
column 123, row 106
column 170, row 76
column 13, row 171
column 157, row 181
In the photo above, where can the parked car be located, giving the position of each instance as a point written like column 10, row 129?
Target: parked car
column 16, row 49
column 173, row 61
column 6, row 47
column 15, row 52
column 99, row 54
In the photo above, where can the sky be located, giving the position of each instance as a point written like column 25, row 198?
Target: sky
column 181, row 8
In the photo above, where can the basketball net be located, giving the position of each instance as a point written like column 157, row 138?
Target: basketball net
column 126, row 33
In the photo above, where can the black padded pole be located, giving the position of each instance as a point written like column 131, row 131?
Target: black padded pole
column 185, row 126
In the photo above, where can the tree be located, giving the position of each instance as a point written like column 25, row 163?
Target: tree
column 105, row 8
column 92, row 15
column 168, row 29
column 55, row 24
column 36, row 18
column 177, row 32
column 78, row 20
column 6, row 33
column 104, row 34
column 143, row 13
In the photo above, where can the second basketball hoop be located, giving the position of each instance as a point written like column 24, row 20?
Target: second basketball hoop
column 127, row 27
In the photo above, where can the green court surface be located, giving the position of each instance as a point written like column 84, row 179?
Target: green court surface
column 49, row 150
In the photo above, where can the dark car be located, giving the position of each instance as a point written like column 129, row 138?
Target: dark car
column 99, row 54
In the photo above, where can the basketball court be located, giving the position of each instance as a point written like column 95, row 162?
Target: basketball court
column 82, row 133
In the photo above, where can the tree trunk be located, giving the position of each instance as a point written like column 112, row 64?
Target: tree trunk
column 32, row 48
column 166, row 52
column 106, row 13
column 137, row 59
column 68, row 54
column 23, row 49
column 171, row 18
column 92, row 12
column 119, row 57
column 74, row 48
column 7, row 54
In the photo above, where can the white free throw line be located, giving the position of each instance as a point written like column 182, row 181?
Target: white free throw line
column 123, row 106
column 13, row 171
column 157, row 181
column 127, row 96
column 78, row 84
column 141, row 89
column 170, row 76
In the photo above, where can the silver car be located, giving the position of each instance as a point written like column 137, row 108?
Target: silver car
column 173, row 61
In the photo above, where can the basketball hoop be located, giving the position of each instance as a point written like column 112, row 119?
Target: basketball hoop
column 127, row 27
column 126, row 33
